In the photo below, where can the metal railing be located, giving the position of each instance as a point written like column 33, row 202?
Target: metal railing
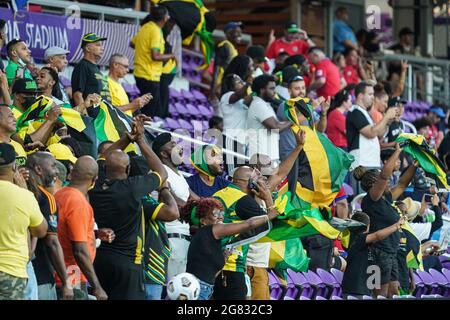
column 427, row 79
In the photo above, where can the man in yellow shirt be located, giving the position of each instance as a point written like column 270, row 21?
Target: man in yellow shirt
column 8, row 128
column 149, row 58
column 118, row 68
column 20, row 213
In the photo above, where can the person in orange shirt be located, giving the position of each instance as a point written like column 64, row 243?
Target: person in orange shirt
column 76, row 229
column 380, row 104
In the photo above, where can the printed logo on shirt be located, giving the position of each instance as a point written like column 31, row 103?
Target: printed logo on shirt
column 319, row 73
column 53, row 221
column 295, row 49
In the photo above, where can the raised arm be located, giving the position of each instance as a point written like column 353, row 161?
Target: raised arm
column 404, row 181
column 383, row 233
column 380, row 129
column 169, row 210
column 377, row 190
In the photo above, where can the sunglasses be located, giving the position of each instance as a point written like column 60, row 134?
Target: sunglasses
column 218, row 214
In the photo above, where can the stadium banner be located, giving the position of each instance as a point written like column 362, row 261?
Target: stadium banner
column 41, row 31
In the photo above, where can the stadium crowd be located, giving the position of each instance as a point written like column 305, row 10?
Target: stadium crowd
column 117, row 218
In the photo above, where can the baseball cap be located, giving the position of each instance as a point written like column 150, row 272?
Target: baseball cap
column 396, row 100
column 257, row 52
column 91, row 38
column 23, row 85
column 292, row 27
column 438, row 111
column 232, row 25
column 7, row 154
column 54, row 51
column 290, row 73
column 161, row 140
column 61, row 152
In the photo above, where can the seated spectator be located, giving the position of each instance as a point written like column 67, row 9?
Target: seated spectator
column 378, row 204
column 241, row 66
column 326, row 79
column 336, row 130
column 206, row 256
column 300, row 62
column 339, row 61
column 279, row 62
column 289, row 43
column 19, row 56
column 359, row 259
column 118, row 68
column 435, row 133
column 287, row 74
column 7, row 129
column 21, row 210
column 24, row 93
column 354, row 71
column 86, row 76
column 258, row 55
column 343, row 34
column 208, row 162
column 56, row 58
column 262, row 124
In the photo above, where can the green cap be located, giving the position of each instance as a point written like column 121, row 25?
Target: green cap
column 291, row 27
column 90, row 38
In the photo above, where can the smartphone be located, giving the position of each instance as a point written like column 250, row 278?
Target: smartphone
column 428, row 197
column 252, row 185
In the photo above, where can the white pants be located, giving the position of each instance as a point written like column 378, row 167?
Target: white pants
column 178, row 257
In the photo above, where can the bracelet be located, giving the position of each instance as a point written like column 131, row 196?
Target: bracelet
column 163, row 188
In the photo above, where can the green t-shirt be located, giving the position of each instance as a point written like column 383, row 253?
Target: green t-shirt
column 11, row 72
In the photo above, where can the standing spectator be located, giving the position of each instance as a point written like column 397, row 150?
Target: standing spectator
column 287, row 74
column 7, row 129
column 208, row 162
column 24, row 92
column 118, row 69
column 206, row 257
column 56, row 58
column 339, row 61
column 4, row 87
column 171, row 155
column 149, row 59
column 397, row 126
column 170, row 67
column 76, row 229
column 2, row 41
column 354, row 71
column 20, row 213
column 239, row 204
column 157, row 246
column 86, row 76
column 263, row 125
column 343, row 34
column 359, row 259
column 225, row 52
column 19, row 56
column 242, row 66
column 435, row 134
column 378, row 204
column 234, row 108
column 336, row 129
column 48, row 81
column 362, row 133
column 326, row 79
column 380, row 104
column 117, row 204
column 258, row 55
column 48, row 254
column 300, row 62
column 290, row 43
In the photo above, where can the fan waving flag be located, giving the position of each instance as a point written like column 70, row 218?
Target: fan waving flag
column 288, row 254
column 321, row 166
column 193, row 18
column 418, row 148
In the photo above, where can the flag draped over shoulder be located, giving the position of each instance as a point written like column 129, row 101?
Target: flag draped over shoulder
column 413, row 248
column 79, row 127
column 193, row 18
column 322, row 166
column 417, row 147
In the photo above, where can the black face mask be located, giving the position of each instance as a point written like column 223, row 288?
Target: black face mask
column 28, row 101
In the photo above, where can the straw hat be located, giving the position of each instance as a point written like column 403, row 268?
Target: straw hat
column 412, row 208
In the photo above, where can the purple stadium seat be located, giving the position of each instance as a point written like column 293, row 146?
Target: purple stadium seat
column 186, row 125
column 299, row 281
column 65, row 81
column 446, row 273
column 420, row 286
column 330, row 281
column 277, row 285
column 187, row 95
column 172, row 124
column 175, row 95
column 182, row 110
column 442, row 281
column 193, row 111
column 200, row 97
column 292, row 291
column 304, row 298
column 205, row 111
column 317, row 283
column 338, row 275
column 352, row 298
column 320, row 298
column 365, row 297
column 430, row 283
column 173, row 111
column 336, row 298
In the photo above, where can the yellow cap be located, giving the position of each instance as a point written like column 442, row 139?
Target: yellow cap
column 61, row 152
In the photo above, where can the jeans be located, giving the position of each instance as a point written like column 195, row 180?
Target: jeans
column 178, row 257
column 31, row 292
column 206, row 290
column 47, row 292
column 153, row 291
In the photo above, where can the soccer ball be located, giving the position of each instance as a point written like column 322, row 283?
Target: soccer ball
column 183, row 286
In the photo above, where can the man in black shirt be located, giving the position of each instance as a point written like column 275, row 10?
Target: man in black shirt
column 49, row 254
column 397, row 126
column 86, row 76
column 117, row 204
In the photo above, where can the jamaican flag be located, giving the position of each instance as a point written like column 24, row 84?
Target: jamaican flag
column 288, row 254
column 413, row 248
column 111, row 123
column 193, row 18
column 80, row 127
column 417, row 147
column 321, row 167
column 199, row 161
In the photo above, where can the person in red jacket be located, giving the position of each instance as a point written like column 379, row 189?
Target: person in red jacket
column 295, row 41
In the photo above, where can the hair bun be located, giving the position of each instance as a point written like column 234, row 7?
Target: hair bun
column 359, row 172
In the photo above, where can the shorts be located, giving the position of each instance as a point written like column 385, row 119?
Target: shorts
column 12, row 288
column 387, row 262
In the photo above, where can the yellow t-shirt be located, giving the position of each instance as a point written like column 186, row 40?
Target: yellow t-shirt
column 21, row 155
column 118, row 95
column 16, row 112
column 20, row 210
column 149, row 37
